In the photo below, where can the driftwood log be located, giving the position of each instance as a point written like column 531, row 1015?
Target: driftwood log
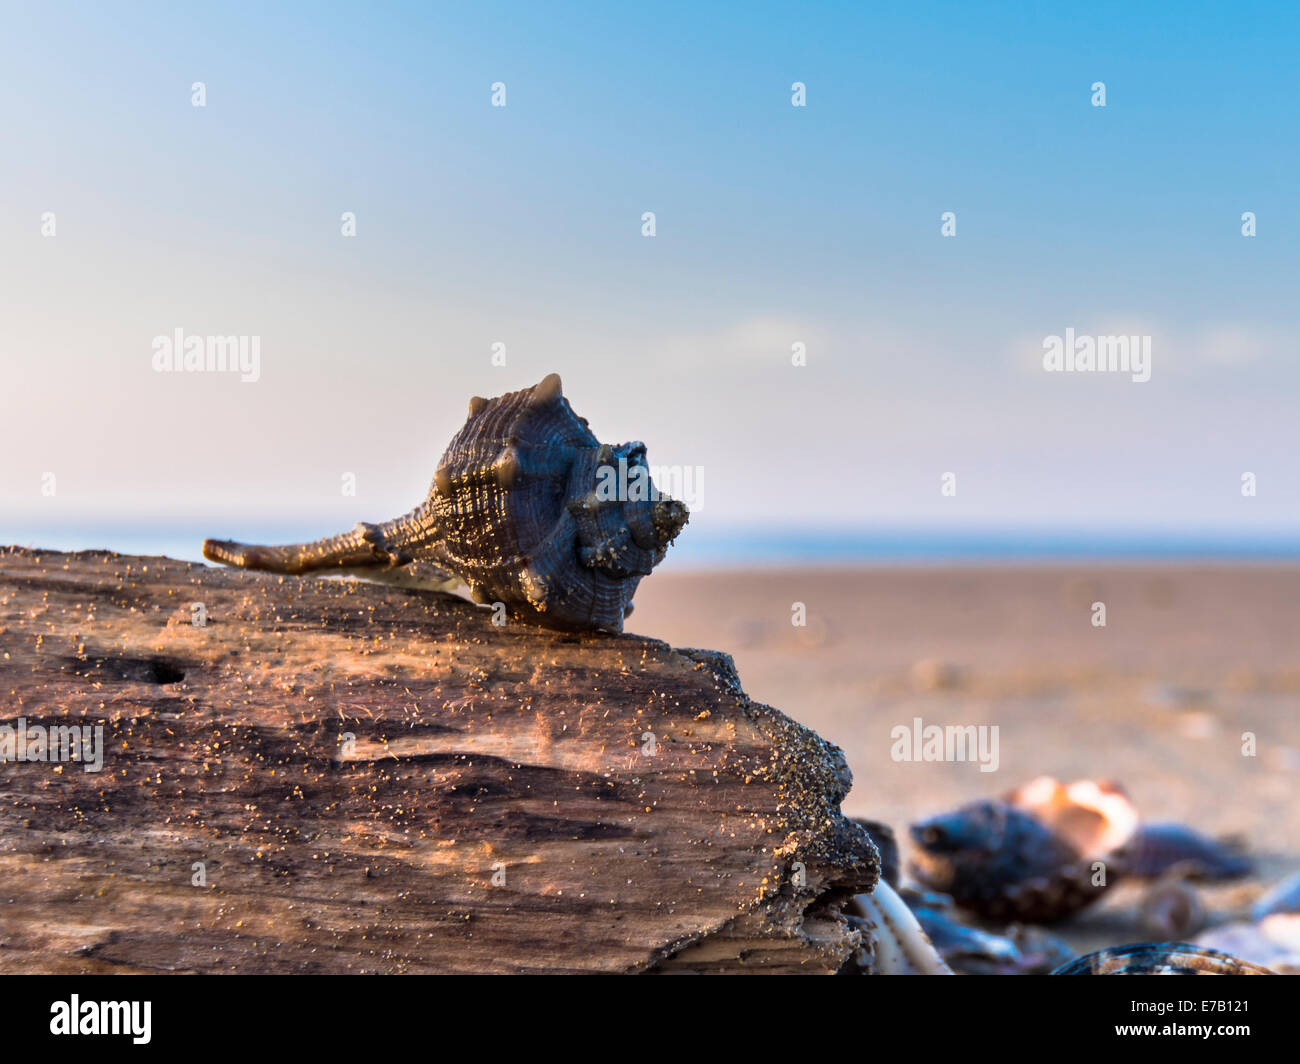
column 305, row 775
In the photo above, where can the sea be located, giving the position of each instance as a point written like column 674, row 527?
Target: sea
column 705, row 546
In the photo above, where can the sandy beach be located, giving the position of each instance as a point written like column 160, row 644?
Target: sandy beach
column 1191, row 657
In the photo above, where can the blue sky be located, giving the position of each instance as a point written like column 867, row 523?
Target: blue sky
column 775, row 224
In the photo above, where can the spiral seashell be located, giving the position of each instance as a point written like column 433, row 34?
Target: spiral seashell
column 1000, row 863
column 527, row 508
column 1029, row 857
column 1160, row 958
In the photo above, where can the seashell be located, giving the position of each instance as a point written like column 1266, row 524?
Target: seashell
column 1273, row 942
column 896, row 942
column 1095, row 816
column 970, row 950
column 527, row 508
column 1283, row 898
column 966, row 950
column 1028, row 857
column 1041, row 953
column 1001, row 863
column 1156, row 849
column 1160, row 958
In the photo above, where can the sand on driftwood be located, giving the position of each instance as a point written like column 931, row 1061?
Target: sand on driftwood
column 334, row 776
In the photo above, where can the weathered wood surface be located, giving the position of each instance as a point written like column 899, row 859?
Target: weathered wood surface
column 478, row 749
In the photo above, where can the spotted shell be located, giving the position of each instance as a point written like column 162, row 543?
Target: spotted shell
column 1161, row 958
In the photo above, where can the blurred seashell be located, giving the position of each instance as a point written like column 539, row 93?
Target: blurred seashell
column 1021, row 950
column 1273, row 942
column 1282, row 898
column 1161, row 958
column 1096, row 817
column 898, row 944
column 1030, row 857
column 1001, row 863
column 1156, row 849
column 968, row 950
column 1041, row 952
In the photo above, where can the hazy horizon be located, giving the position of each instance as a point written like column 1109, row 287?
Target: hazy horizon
column 711, row 547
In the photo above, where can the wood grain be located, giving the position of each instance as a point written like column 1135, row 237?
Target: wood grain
column 353, row 765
